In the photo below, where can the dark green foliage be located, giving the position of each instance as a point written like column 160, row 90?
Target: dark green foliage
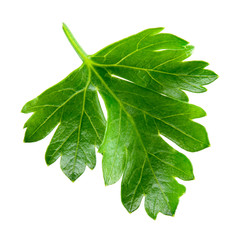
column 141, row 79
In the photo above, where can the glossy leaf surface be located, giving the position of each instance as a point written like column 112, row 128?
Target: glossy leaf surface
column 141, row 80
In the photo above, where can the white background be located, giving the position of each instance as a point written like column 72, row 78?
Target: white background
column 39, row 202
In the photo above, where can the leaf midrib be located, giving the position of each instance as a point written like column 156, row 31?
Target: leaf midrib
column 134, row 125
column 146, row 69
column 80, row 121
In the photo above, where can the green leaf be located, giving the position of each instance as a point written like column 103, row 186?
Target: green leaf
column 142, row 80
column 73, row 104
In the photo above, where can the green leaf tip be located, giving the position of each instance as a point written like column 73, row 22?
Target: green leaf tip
column 142, row 80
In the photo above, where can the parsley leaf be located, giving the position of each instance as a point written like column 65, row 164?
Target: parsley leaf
column 141, row 80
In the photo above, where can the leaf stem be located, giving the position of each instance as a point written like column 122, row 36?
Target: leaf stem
column 81, row 53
